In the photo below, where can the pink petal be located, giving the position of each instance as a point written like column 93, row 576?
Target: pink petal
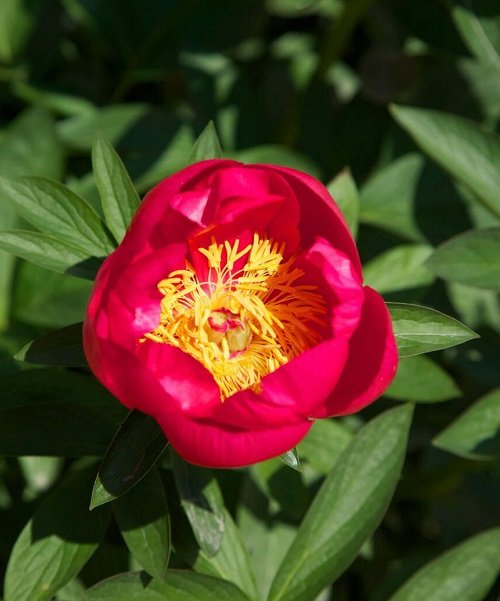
column 190, row 387
column 213, row 445
column 371, row 365
column 319, row 215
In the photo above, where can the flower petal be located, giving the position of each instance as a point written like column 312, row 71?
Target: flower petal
column 190, row 387
column 213, row 445
column 319, row 215
column 372, row 362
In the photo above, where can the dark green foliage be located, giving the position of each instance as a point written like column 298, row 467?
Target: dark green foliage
column 395, row 105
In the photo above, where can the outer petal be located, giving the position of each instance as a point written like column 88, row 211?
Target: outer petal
column 319, row 215
column 190, row 387
column 372, row 363
column 160, row 206
column 213, row 445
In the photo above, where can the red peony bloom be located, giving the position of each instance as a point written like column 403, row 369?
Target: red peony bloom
column 233, row 312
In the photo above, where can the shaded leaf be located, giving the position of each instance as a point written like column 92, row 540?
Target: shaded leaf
column 202, row 502
column 421, row 380
column 55, row 412
column 476, row 433
column 134, row 450
column 110, row 122
column 56, row 543
column 478, row 22
column 61, row 347
column 143, row 519
column 472, row 259
column 119, row 198
column 423, row 330
column 176, row 586
column 346, row 510
column 469, row 570
column 468, row 153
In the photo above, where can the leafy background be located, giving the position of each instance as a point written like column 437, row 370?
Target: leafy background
column 394, row 104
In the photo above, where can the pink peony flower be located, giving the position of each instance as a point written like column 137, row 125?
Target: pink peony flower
column 234, row 313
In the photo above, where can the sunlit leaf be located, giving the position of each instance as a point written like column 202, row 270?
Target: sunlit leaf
column 399, row 268
column 206, row 146
column 421, row 380
column 345, row 192
column 119, row 198
column 55, row 210
column 56, row 543
column 460, row 146
column 346, row 510
column 423, row 330
column 470, row 569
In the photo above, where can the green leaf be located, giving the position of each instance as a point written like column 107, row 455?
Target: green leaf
column 206, row 146
column 473, row 259
column 202, row 503
column 111, row 123
column 266, row 536
column 423, row 330
column 468, row 570
column 468, row 153
column 50, row 252
column 143, row 519
column 56, row 543
column 231, row 562
column 478, row 22
column 55, row 412
column 119, row 198
column 421, row 380
column 476, row 307
column 62, row 347
column 346, row 510
column 16, row 23
column 56, row 210
column 475, row 433
column 49, row 299
column 134, row 450
column 324, row 444
column 345, row 192
column 278, row 155
column 399, row 268
column 29, row 146
column 387, row 198
column 176, row 586
column 291, row 458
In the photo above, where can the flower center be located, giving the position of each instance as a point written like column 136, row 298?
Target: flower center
column 247, row 319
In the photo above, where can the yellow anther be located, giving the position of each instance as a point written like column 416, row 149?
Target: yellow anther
column 243, row 323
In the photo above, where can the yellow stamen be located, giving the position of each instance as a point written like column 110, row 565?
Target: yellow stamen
column 242, row 323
